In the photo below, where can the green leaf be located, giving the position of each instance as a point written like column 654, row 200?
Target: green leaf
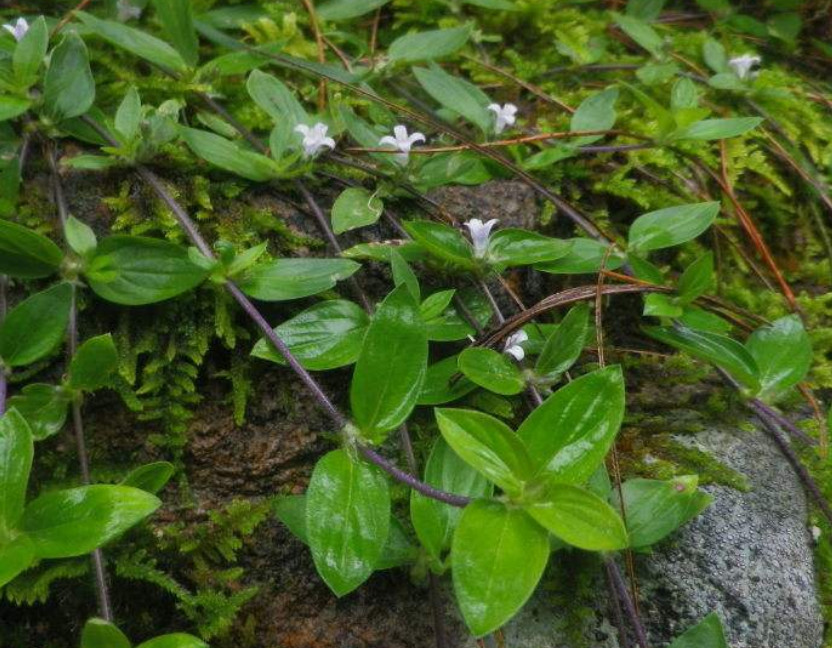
column 403, row 275
column 585, row 256
column 596, row 112
column 354, row 208
column 783, row 354
column 325, row 336
column 645, row 9
column 16, row 453
column 68, row 88
column 516, row 247
column 642, row 33
column 491, row 370
column 291, row 510
column 94, row 363
column 43, row 406
column 707, row 633
column 436, row 304
column 151, row 477
column 11, row 107
column 99, row 633
column 73, row 522
column 564, row 345
column 658, row 305
column 498, row 557
column 569, row 435
column 715, row 129
column 721, row 350
column 434, row 521
column 230, row 156
column 135, row 41
column 177, row 21
column 27, row 254
column 36, row 326
column 346, row 9
column 275, row 99
column 390, row 371
column 671, row 226
column 30, row 53
column 135, row 270
column 684, row 94
column 15, row 557
column 347, row 520
column 697, row 279
column 129, row 114
column 655, row 509
column 176, row 640
column 79, row 236
column 422, row 46
column 487, row 444
column 443, row 383
column 442, row 241
column 498, row 5
column 579, row 518
column 713, row 53
column 457, row 95
column 285, row 279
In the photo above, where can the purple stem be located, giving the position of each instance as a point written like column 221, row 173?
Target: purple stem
column 760, row 408
column 105, row 607
column 620, row 587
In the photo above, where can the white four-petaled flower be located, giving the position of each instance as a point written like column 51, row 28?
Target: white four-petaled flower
column 127, row 10
column 742, row 65
column 503, row 115
column 314, row 139
column 479, row 234
column 513, row 343
column 18, row 29
column 401, row 141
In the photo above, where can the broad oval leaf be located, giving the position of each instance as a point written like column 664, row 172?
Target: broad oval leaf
column 579, row 518
column 176, row 640
column 325, row 336
column 94, row 363
column 783, row 354
column 68, row 87
column 655, row 509
column 98, row 633
column 491, row 370
column 275, row 98
column 697, row 278
column 151, row 477
column 564, row 345
column 487, row 444
column 671, row 226
column 585, row 256
column 27, row 254
column 16, row 453
column 44, row 407
column 434, row 521
column 442, row 241
column 177, row 21
column 708, row 633
column 36, row 326
column 285, row 279
column 422, row 46
column 721, row 350
column 15, row 557
column 73, row 522
column 346, row 9
column 443, row 383
column 391, row 368
column 230, row 156
column 569, row 435
column 134, row 41
column 455, row 94
column 517, row 247
column 353, row 208
column 596, row 112
column 347, row 520
column 136, row 270
column 30, row 52
column 714, row 129
column 498, row 556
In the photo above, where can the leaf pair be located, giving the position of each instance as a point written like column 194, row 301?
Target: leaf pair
column 775, row 358
column 59, row 524
column 98, row 633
